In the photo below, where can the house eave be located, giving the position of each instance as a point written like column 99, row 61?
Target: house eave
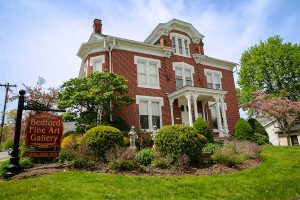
column 214, row 62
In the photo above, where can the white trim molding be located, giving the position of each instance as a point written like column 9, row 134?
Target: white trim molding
column 208, row 72
column 214, row 62
column 184, row 66
column 185, row 46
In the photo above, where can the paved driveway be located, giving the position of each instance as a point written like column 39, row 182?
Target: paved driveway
column 4, row 156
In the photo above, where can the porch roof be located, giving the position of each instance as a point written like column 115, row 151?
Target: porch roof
column 189, row 90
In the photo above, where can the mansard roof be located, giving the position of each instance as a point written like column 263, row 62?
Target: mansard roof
column 174, row 24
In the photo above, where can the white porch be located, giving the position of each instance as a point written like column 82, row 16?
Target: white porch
column 188, row 98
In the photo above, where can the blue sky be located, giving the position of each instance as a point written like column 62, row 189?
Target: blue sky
column 42, row 37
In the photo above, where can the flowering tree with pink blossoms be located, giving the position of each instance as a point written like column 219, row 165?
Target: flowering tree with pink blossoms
column 282, row 109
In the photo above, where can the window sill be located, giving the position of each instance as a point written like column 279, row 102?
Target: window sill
column 182, row 55
column 149, row 87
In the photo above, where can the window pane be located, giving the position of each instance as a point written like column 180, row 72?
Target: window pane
column 173, row 43
column 217, row 79
column 217, row 86
column 209, row 85
column 141, row 68
column 188, row 82
column 142, row 79
column 144, row 122
column 97, row 67
column 180, row 46
column 153, row 80
column 152, row 69
column 188, row 73
column 178, row 72
column 156, row 121
column 143, row 107
column 155, row 108
column 179, row 83
column 209, row 81
column 186, row 47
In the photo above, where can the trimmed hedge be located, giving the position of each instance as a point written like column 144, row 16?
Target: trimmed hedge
column 243, row 130
column 179, row 140
column 201, row 126
column 145, row 156
column 102, row 138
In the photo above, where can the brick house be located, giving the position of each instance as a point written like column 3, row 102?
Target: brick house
column 168, row 74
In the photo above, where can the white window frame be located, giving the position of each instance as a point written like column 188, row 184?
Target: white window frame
column 150, row 99
column 183, row 39
column 184, row 66
column 97, row 59
column 85, row 68
column 138, row 59
column 212, row 73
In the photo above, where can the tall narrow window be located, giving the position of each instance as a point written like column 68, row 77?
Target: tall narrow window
column 214, row 116
column 153, row 76
column 97, row 62
column 174, row 43
column 155, row 114
column 186, row 47
column 188, row 77
column 179, row 78
column 217, row 81
column 209, row 81
column 180, row 48
column 142, row 75
column 144, row 115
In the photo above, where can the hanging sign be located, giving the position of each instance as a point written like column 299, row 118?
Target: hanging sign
column 44, row 130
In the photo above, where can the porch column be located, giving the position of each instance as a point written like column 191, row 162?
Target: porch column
column 195, row 96
column 225, row 126
column 220, row 128
column 188, row 98
column 171, row 109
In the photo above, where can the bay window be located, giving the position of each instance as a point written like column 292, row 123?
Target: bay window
column 180, row 43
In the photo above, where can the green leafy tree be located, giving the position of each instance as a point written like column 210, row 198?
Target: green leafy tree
column 97, row 94
column 271, row 67
column 257, row 127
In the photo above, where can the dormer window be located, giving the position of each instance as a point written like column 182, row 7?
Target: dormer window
column 180, row 43
column 213, row 79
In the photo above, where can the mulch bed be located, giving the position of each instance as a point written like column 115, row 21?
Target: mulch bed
column 39, row 170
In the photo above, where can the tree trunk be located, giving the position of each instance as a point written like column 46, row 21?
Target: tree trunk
column 289, row 136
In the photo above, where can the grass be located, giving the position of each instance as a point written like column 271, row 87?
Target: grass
column 277, row 178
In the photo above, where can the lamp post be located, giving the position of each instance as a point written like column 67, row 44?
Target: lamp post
column 14, row 167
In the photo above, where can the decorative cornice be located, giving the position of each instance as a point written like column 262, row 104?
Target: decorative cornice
column 214, row 62
column 196, row 40
column 162, row 31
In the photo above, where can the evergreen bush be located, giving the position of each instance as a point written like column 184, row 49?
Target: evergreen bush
column 100, row 139
column 180, row 140
column 243, row 130
column 257, row 127
column 201, row 126
column 144, row 157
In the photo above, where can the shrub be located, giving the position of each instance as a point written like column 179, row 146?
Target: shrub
column 260, row 139
column 123, row 165
column 145, row 140
column 9, row 143
column 249, row 149
column 229, row 156
column 3, row 166
column 182, row 161
column 71, row 142
column 26, row 163
column 210, row 147
column 102, row 138
column 201, row 126
column 243, row 130
column 81, row 162
column 257, row 127
column 120, row 124
column 120, row 153
column 145, row 157
column 162, row 162
column 178, row 140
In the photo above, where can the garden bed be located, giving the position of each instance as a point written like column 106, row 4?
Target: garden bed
column 39, row 170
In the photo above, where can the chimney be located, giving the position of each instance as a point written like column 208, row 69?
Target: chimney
column 97, row 26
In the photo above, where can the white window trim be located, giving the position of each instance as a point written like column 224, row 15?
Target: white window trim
column 213, row 104
column 96, row 59
column 182, row 37
column 147, row 61
column 85, row 68
column 213, row 73
column 151, row 99
column 183, row 66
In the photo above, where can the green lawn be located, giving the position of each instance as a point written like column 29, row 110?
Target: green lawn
column 277, row 178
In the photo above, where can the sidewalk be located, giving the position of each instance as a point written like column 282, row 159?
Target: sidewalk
column 4, row 156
